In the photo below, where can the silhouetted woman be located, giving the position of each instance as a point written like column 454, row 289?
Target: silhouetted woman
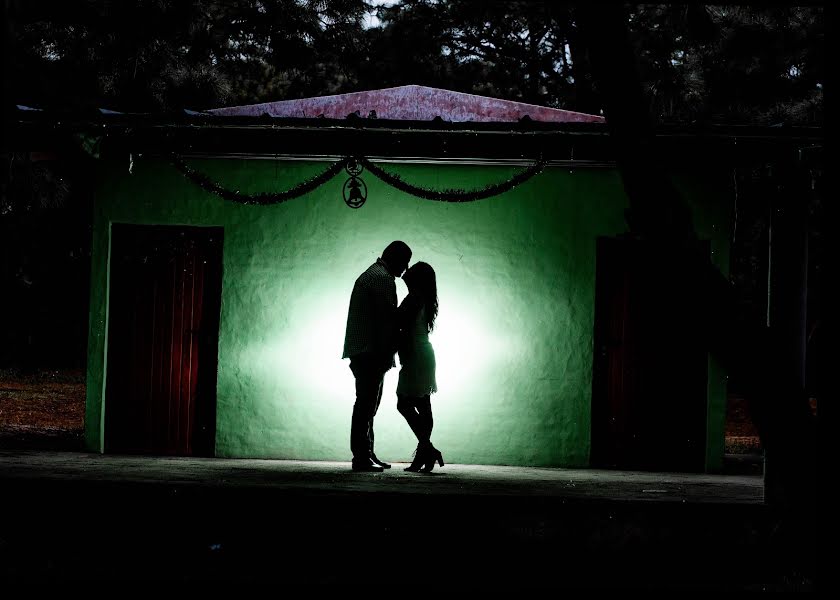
column 416, row 316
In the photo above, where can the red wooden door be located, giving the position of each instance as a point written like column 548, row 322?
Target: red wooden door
column 163, row 324
column 650, row 368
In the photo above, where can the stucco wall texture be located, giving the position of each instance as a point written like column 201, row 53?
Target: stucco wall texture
column 516, row 277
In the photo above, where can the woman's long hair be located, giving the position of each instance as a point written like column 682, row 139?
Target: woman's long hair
column 422, row 283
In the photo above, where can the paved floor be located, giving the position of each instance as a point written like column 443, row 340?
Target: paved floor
column 310, row 477
column 72, row 516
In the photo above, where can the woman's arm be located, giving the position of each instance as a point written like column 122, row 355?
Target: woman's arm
column 406, row 313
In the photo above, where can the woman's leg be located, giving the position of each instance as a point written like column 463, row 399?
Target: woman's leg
column 431, row 454
column 424, row 410
column 406, row 407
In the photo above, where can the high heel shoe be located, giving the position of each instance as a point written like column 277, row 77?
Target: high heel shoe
column 419, row 460
column 434, row 455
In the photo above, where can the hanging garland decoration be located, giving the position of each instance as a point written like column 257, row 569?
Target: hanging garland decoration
column 452, row 195
column 263, row 198
column 353, row 199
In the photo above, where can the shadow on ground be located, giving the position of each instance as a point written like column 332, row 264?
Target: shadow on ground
column 95, row 518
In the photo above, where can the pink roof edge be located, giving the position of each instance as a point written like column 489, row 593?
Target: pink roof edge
column 411, row 103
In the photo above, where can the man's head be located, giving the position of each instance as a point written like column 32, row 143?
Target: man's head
column 396, row 257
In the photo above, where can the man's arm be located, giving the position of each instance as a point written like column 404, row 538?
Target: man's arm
column 384, row 302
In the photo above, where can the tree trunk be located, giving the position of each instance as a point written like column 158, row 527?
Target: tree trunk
column 762, row 357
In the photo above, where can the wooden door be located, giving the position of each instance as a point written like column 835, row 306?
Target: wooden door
column 650, row 370
column 163, row 326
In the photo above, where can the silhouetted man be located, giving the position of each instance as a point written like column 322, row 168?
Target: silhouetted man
column 370, row 343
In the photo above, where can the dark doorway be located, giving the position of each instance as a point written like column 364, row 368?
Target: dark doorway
column 650, row 371
column 163, row 329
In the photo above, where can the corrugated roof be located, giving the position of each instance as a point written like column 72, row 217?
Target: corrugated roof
column 411, row 103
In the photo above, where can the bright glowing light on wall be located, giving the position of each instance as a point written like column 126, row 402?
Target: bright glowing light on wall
column 467, row 346
column 299, row 387
column 306, row 357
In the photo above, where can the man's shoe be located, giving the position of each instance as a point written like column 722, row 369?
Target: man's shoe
column 382, row 464
column 369, row 467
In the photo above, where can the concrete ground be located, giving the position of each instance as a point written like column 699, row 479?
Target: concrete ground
column 79, row 516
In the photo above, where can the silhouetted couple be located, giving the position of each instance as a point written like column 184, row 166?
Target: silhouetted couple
column 376, row 330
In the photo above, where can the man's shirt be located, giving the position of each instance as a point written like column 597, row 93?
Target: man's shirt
column 371, row 318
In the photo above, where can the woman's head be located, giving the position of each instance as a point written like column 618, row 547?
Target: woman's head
column 420, row 278
column 421, row 282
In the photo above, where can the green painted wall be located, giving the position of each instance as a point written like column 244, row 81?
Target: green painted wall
column 516, row 285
